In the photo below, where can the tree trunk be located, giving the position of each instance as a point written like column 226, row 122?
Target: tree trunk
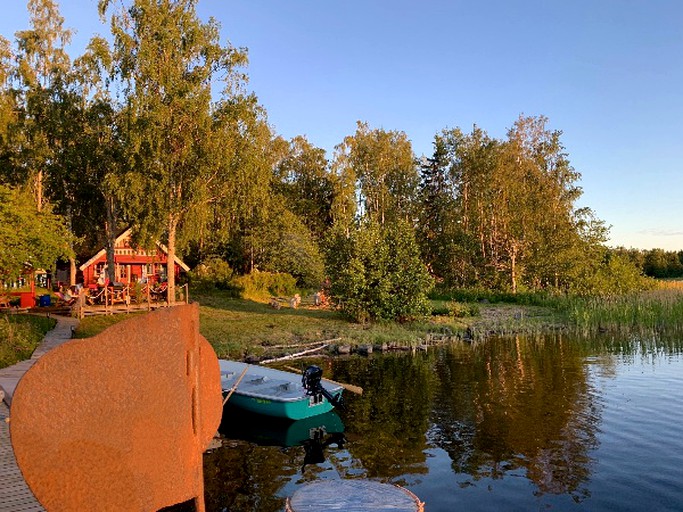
column 513, row 269
column 39, row 191
column 110, row 233
column 72, row 271
column 72, row 261
column 170, row 263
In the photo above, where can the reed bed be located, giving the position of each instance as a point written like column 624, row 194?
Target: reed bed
column 659, row 310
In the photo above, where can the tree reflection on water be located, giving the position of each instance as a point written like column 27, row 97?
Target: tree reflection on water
column 518, row 404
column 502, row 408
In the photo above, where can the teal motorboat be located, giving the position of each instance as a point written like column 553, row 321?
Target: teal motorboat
column 277, row 393
column 278, row 432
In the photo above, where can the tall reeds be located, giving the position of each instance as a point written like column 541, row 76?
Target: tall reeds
column 658, row 310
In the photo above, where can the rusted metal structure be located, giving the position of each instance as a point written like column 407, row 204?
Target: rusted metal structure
column 120, row 421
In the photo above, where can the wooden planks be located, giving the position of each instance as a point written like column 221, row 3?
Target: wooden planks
column 15, row 496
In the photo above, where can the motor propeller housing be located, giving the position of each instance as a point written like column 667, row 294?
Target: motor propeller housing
column 311, row 382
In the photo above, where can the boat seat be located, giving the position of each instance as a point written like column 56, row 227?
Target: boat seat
column 286, row 386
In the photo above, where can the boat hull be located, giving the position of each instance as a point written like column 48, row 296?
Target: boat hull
column 271, row 392
column 278, row 432
column 296, row 410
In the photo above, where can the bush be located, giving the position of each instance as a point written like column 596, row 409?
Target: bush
column 212, row 273
column 473, row 295
column 461, row 310
column 378, row 274
column 261, row 286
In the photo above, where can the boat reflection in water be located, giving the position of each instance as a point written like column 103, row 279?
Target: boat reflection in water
column 314, row 434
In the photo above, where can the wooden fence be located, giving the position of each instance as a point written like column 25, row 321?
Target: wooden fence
column 113, row 302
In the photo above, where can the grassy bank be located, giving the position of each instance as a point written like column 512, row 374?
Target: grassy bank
column 237, row 328
column 20, row 335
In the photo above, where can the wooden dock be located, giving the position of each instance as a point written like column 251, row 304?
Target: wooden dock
column 115, row 309
column 15, row 496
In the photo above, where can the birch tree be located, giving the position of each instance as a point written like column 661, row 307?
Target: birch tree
column 41, row 77
column 168, row 60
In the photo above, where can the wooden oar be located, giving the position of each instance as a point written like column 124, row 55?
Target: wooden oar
column 237, row 383
column 350, row 387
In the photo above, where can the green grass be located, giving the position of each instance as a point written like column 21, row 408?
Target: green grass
column 659, row 310
column 238, row 327
column 20, row 335
column 91, row 325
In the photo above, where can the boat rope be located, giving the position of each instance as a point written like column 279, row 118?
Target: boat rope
column 237, row 383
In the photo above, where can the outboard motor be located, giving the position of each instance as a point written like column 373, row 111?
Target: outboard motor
column 311, row 383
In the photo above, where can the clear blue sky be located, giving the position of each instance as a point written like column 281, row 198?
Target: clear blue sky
column 608, row 73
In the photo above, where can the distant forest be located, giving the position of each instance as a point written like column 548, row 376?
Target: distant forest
column 656, row 263
column 156, row 129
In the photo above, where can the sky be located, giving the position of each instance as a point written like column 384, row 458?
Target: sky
column 607, row 73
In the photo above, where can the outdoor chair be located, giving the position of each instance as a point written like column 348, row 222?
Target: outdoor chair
column 118, row 294
column 66, row 299
column 95, row 297
column 159, row 293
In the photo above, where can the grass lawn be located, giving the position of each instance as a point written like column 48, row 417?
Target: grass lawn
column 238, row 327
column 20, row 335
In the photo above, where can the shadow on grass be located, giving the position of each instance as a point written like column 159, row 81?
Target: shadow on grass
column 235, row 305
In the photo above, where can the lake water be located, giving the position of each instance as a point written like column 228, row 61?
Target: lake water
column 543, row 423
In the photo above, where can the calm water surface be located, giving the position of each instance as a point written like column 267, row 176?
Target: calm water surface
column 552, row 423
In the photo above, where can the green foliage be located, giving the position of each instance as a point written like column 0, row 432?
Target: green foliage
column 382, row 166
column 613, row 275
column 462, row 310
column 303, row 179
column 656, row 263
column 283, row 244
column 260, row 286
column 379, row 274
column 28, row 236
column 133, row 133
column 500, row 214
column 20, row 335
column 213, row 272
column 175, row 133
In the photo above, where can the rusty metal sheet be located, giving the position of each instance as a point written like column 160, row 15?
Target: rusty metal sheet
column 120, row 421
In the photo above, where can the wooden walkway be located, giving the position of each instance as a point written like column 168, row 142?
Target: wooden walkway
column 15, row 496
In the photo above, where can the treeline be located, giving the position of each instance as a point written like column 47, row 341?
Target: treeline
column 656, row 263
column 158, row 131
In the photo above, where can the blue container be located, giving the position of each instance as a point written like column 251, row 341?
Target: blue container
column 44, row 301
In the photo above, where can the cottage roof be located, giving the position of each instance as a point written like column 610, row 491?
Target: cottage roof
column 123, row 236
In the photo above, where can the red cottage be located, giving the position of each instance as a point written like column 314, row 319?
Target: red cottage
column 132, row 264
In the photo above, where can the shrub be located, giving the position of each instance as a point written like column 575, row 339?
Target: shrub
column 378, row 274
column 461, row 310
column 212, row 273
column 261, row 286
